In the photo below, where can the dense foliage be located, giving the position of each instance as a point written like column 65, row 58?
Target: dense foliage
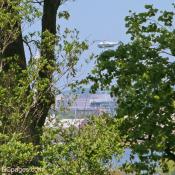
column 86, row 151
column 27, row 81
column 28, row 85
column 71, row 151
column 141, row 74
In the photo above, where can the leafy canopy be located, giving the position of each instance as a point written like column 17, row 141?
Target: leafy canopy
column 141, row 74
column 23, row 91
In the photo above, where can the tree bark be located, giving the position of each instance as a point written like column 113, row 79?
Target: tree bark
column 45, row 96
column 16, row 47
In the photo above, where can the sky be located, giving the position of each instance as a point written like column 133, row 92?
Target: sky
column 104, row 20
column 99, row 20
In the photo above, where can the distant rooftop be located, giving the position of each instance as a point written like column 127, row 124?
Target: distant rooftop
column 87, row 104
column 85, row 101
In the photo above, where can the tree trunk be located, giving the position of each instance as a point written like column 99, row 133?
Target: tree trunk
column 45, row 96
column 44, row 99
column 16, row 47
